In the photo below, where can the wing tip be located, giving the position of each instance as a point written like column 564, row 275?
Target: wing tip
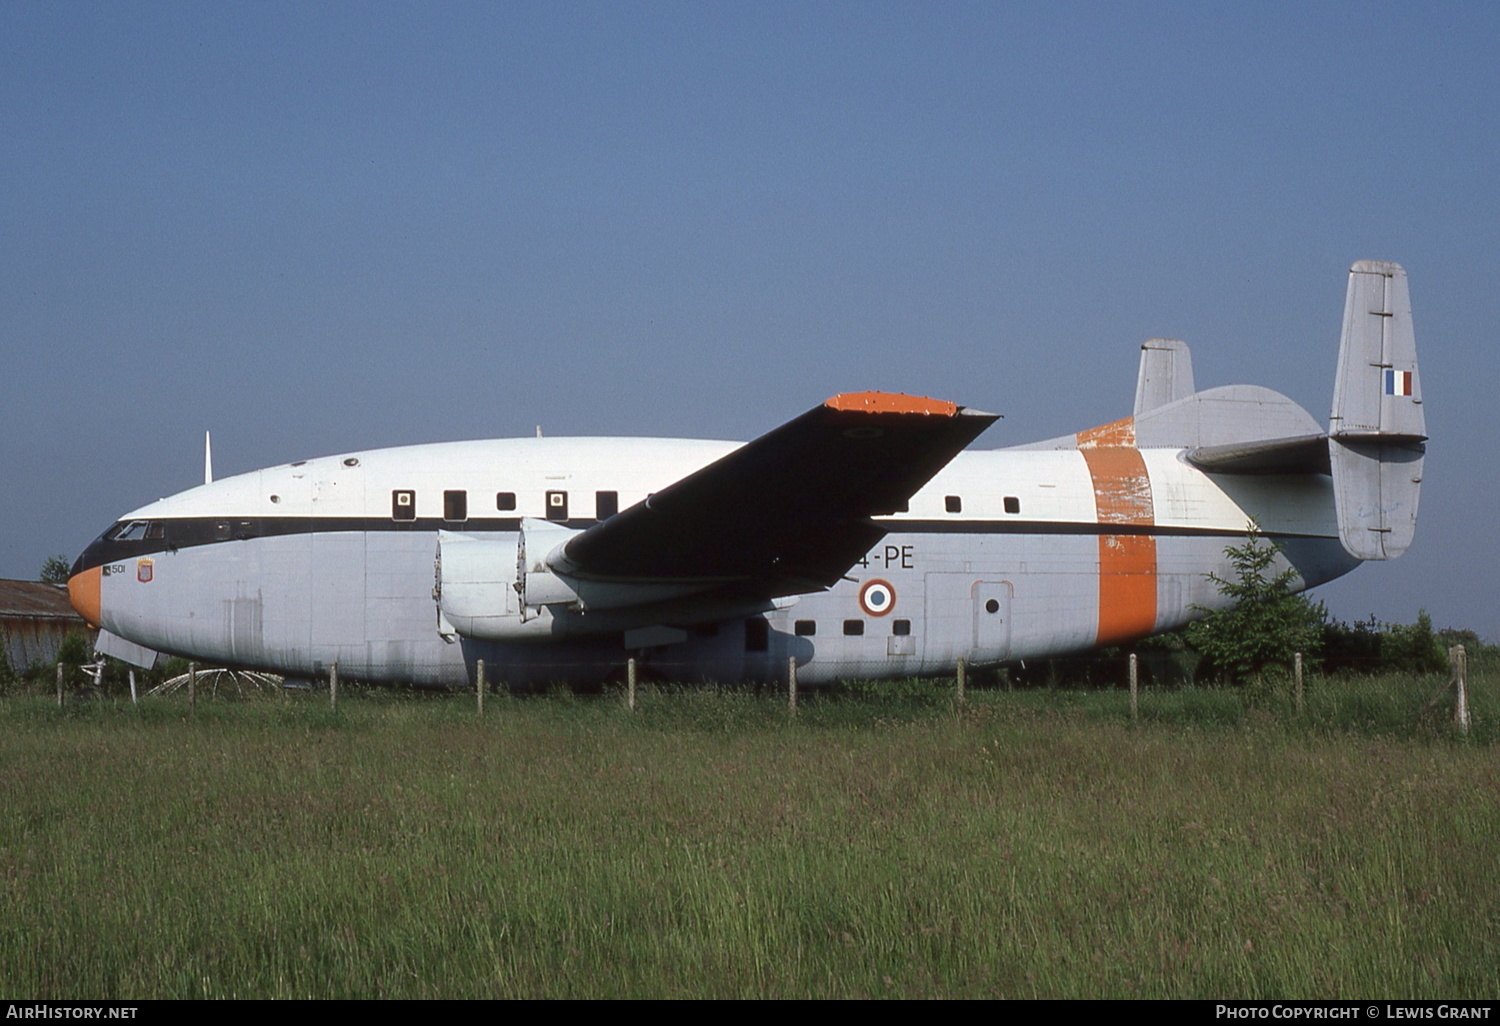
column 892, row 402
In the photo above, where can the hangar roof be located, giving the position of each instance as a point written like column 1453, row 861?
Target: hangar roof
column 35, row 600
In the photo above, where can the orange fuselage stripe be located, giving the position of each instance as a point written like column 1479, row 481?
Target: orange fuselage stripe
column 1127, row 562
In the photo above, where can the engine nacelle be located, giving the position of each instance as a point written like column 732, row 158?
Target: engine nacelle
column 475, row 587
column 504, row 590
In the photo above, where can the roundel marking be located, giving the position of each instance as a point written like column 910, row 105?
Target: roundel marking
column 877, row 597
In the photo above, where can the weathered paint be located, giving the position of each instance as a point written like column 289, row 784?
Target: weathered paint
column 1127, row 562
column 891, row 402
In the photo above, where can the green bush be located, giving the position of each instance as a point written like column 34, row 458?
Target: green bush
column 1412, row 648
column 1268, row 623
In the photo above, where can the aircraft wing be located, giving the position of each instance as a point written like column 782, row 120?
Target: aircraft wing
column 789, row 512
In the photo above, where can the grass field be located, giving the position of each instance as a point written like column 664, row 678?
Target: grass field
column 1035, row 844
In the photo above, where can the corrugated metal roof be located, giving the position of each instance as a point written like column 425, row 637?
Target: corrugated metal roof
column 34, row 620
column 35, row 600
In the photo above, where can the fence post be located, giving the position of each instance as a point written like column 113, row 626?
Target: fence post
column 630, row 683
column 1459, row 660
column 791, row 685
column 1134, row 686
column 1297, row 681
column 479, row 684
column 333, row 685
column 132, row 686
column 59, row 684
column 192, row 686
column 960, row 678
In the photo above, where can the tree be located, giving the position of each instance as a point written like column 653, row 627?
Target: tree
column 55, row 570
column 1351, row 647
column 1412, row 648
column 1268, row 622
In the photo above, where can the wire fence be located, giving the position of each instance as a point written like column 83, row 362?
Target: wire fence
column 1151, row 687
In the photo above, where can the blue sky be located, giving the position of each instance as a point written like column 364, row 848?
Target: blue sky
column 313, row 228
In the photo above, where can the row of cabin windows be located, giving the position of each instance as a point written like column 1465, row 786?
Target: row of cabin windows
column 456, row 504
column 852, row 628
column 758, row 631
column 955, row 503
column 606, row 504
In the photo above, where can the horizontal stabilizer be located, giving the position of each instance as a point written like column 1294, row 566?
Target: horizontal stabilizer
column 1377, row 427
column 1230, row 416
column 1305, row 454
column 1227, row 415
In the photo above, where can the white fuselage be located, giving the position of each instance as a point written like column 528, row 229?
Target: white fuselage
column 1003, row 555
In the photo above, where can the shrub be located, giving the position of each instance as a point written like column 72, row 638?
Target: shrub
column 1268, row 623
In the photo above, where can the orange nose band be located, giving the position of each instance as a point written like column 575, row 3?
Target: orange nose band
column 83, row 592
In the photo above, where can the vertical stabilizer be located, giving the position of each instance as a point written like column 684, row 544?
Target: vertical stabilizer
column 1166, row 374
column 1377, row 430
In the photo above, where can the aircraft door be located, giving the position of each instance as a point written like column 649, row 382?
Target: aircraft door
column 992, row 620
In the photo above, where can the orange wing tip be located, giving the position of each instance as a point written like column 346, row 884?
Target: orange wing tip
column 891, row 402
column 83, row 592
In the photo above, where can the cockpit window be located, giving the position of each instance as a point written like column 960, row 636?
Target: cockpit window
column 135, row 530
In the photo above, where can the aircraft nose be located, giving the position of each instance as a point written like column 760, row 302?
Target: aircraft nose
column 83, row 592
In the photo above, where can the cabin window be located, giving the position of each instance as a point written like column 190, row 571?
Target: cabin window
column 606, row 504
column 757, row 635
column 953, row 504
column 1012, row 504
column 456, row 505
column 221, row 530
column 805, row 628
column 900, row 628
column 156, row 531
column 854, row 628
column 557, row 506
column 505, row 501
column 403, row 504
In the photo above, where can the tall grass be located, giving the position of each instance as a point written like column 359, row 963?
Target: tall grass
column 882, row 843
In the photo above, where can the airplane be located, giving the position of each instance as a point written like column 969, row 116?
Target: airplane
column 860, row 540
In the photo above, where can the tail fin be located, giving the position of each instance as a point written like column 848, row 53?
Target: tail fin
column 1377, row 431
column 1166, row 374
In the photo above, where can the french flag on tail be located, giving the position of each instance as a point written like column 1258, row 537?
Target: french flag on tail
column 1398, row 382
